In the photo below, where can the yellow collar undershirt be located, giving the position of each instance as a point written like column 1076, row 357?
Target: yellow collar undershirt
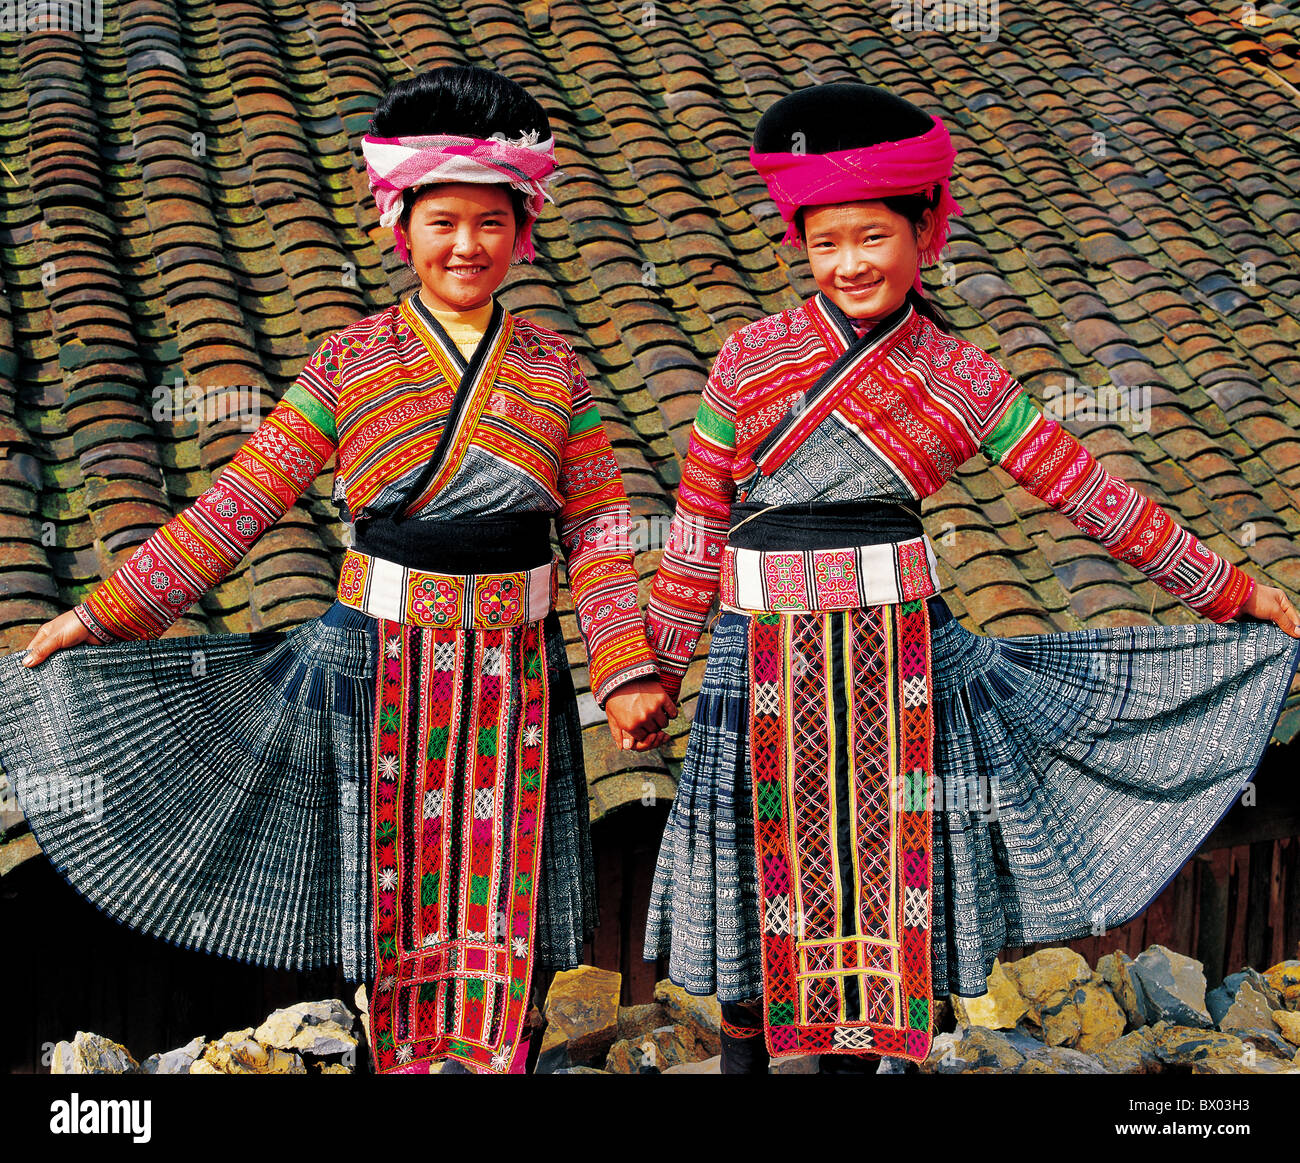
column 465, row 328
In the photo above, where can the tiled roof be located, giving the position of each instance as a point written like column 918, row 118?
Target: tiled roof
column 184, row 199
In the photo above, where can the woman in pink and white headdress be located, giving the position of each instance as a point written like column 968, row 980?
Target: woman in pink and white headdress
column 396, row 787
column 874, row 800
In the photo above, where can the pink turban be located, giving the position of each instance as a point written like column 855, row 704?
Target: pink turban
column 865, row 174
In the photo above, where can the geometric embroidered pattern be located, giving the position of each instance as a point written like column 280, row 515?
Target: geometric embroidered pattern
column 457, row 792
column 843, row 712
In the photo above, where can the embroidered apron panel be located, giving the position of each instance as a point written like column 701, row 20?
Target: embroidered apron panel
column 457, row 795
column 841, row 748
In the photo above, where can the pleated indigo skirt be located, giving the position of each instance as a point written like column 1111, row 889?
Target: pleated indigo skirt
column 1075, row 774
column 213, row 790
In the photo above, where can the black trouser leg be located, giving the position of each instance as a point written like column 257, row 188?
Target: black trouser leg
column 847, row 1064
column 744, row 1050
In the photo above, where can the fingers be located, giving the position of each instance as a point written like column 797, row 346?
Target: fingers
column 39, row 648
column 1285, row 615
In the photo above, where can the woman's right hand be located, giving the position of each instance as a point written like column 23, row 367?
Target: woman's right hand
column 57, row 634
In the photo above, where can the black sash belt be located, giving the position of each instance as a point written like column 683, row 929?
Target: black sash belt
column 501, row 543
column 819, row 525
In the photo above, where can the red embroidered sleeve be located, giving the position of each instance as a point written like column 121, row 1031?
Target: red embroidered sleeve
column 594, row 528
column 1049, row 462
column 198, row 547
column 686, row 584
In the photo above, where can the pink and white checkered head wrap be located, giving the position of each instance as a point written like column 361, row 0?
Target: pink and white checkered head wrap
column 394, row 164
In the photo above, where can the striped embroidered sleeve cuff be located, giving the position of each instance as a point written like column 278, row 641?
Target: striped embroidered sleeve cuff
column 98, row 632
column 686, row 584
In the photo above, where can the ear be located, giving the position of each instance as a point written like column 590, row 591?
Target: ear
column 925, row 229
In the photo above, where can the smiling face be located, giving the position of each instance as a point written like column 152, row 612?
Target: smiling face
column 863, row 255
column 461, row 237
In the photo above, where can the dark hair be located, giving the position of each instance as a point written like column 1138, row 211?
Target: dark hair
column 463, row 100
column 911, row 207
column 842, row 115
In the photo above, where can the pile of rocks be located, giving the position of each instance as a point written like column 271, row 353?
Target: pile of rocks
column 1050, row 1013
column 588, row 1032
column 317, row 1037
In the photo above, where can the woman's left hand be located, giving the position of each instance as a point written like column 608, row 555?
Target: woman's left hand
column 638, row 713
column 1270, row 604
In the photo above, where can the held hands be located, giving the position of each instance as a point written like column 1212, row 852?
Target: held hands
column 1270, row 604
column 638, row 713
column 57, row 634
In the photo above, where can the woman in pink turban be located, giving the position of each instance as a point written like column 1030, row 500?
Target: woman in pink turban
column 874, row 801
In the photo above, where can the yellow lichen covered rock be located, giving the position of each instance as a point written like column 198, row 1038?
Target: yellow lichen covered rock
column 239, row 1053
column 999, row 1009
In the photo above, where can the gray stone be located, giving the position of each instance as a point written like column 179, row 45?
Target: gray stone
column 653, row 1053
column 92, row 1054
column 708, row 1066
column 700, row 1014
column 1060, row 1060
column 1183, row 1045
column 1024, row 1038
column 1220, row 999
column 1173, row 987
column 1116, row 970
column 581, row 1016
column 362, row 1000
column 638, row 1021
column 1249, row 1010
column 796, row 1064
column 972, row 1048
column 1137, row 1052
column 176, row 1061
column 310, row 1027
column 1266, row 1039
column 18, row 851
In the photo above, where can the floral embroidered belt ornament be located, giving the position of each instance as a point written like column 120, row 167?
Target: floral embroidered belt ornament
column 828, row 579
column 417, row 597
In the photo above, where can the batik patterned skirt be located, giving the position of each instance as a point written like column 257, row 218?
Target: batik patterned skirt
column 1074, row 775
column 215, row 791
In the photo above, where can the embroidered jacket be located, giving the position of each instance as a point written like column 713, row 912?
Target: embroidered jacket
column 525, row 436
column 928, row 403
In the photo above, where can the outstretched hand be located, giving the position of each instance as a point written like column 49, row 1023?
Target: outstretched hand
column 1270, row 604
column 638, row 713
column 57, row 634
